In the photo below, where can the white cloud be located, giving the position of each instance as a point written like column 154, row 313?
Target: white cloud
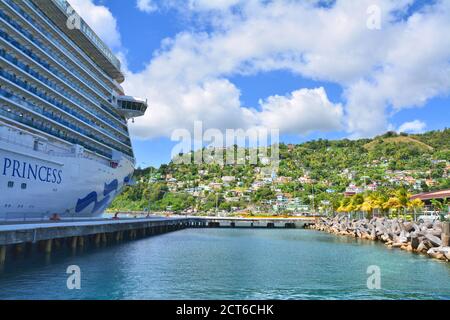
column 415, row 126
column 146, row 6
column 303, row 111
column 402, row 65
column 100, row 19
column 216, row 103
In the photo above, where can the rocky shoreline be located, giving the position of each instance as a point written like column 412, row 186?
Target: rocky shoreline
column 429, row 238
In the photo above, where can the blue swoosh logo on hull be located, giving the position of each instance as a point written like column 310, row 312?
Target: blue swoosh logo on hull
column 92, row 197
column 101, row 205
column 111, row 187
column 86, row 202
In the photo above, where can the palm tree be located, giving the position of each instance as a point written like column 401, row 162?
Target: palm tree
column 437, row 205
column 404, row 200
column 369, row 204
column 343, row 207
column 381, row 201
column 393, row 203
column 445, row 211
column 415, row 205
column 441, row 206
column 356, row 202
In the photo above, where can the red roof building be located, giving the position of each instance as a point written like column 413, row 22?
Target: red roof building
column 438, row 195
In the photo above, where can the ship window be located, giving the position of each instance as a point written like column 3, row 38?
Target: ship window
column 10, row 184
column 23, row 186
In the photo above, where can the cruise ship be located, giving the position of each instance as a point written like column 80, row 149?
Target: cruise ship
column 65, row 149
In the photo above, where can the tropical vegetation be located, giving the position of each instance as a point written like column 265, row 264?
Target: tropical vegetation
column 386, row 171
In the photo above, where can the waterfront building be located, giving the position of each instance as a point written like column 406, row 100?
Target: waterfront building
column 428, row 197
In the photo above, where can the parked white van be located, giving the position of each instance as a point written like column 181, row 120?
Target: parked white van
column 430, row 216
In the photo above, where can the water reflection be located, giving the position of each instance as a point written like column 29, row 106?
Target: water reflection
column 228, row 264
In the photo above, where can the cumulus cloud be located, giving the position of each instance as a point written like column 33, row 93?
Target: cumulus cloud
column 402, row 65
column 216, row 103
column 100, row 19
column 146, row 6
column 303, row 111
column 415, row 126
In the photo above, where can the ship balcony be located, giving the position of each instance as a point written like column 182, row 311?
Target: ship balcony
column 131, row 107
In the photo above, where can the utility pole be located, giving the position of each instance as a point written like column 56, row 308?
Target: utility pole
column 149, row 199
column 217, row 204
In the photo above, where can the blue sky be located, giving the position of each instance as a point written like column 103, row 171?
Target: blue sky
column 399, row 92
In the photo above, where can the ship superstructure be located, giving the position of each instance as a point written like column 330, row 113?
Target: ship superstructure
column 65, row 148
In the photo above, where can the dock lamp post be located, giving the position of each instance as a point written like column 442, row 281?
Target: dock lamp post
column 217, row 204
column 312, row 197
column 149, row 199
column 326, row 203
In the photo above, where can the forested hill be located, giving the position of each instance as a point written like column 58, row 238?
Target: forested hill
column 418, row 162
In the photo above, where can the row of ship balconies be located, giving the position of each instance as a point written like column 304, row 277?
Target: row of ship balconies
column 51, row 87
column 45, row 127
column 58, row 113
column 28, row 11
column 58, row 76
column 58, row 61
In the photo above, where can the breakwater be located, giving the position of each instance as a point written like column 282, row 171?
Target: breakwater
column 429, row 238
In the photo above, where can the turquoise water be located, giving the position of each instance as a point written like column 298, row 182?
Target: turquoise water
column 230, row 264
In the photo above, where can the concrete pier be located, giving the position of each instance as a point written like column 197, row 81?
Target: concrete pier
column 78, row 234
column 81, row 242
column 2, row 254
column 48, row 246
column 266, row 223
column 73, row 244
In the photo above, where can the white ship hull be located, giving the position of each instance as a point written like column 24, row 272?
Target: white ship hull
column 65, row 148
column 37, row 185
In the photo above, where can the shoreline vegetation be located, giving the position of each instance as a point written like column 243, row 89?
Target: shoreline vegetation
column 368, row 175
column 431, row 239
column 141, row 214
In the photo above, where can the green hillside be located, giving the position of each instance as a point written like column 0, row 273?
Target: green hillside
column 401, row 141
column 322, row 168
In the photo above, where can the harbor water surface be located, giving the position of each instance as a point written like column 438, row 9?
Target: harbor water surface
column 229, row 264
